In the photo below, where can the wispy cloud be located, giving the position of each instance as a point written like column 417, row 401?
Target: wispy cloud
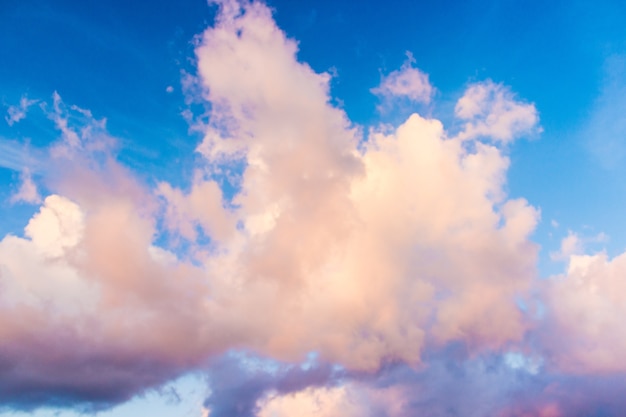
column 18, row 112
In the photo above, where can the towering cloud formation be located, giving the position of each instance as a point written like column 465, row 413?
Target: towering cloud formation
column 372, row 252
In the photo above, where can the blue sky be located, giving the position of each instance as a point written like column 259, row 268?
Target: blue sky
column 197, row 169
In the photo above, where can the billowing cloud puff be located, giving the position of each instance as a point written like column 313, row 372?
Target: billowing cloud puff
column 586, row 305
column 408, row 82
column 491, row 110
column 376, row 251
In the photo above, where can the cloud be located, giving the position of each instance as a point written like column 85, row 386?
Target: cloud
column 80, row 131
column 573, row 244
column 18, row 112
column 407, row 82
column 583, row 333
column 365, row 253
column 400, row 261
column 243, row 385
column 27, row 192
column 377, row 251
column 83, row 284
column 491, row 110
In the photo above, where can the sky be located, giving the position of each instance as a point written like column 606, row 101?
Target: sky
column 244, row 208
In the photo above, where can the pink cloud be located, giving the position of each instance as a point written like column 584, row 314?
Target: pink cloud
column 372, row 254
column 407, row 82
column 492, row 110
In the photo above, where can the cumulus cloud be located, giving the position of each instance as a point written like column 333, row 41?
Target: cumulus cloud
column 407, row 82
column 202, row 207
column 324, row 402
column 377, row 251
column 364, row 256
column 574, row 244
column 584, row 333
column 400, row 261
column 491, row 110
column 247, row 386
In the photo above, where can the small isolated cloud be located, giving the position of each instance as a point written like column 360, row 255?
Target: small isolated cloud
column 314, row 402
column 169, row 89
column 27, row 192
column 15, row 155
column 492, row 111
column 407, row 82
column 18, row 112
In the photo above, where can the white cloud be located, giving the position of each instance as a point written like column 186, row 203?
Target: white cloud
column 57, row 227
column 491, row 110
column 363, row 256
column 408, row 82
column 570, row 245
column 375, row 251
column 349, row 399
column 203, row 206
